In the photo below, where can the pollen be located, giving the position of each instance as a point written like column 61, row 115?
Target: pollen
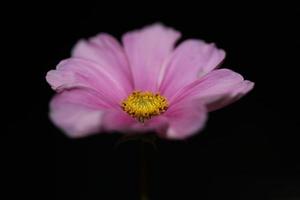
column 144, row 105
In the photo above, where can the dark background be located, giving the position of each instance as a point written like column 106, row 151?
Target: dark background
column 249, row 150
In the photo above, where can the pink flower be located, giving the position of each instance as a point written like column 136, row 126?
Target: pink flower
column 143, row 85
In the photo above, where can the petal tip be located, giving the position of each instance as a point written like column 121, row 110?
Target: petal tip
column 155, row 27
column 52, row 79
column 76, row 126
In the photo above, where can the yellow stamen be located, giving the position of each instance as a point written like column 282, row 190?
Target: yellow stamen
column 144, row 105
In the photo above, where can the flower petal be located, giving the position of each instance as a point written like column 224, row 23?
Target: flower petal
column 77, row 112
column 239, row 91
column 190, row 60
column 121, row 121
column 79, row 73
column 117, row 120
column 107, row 52
column 216, row 89
column 146, row 50
column 185, row 119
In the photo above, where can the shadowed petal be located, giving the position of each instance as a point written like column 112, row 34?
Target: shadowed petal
column 216, row 89
column 185, row 119
column 146, row 50
column 79, row 73
column 191, row 60
column 117, row 120
column 106, row 51
column 78, row 112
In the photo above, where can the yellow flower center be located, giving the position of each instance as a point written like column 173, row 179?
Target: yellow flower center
column 144, row 105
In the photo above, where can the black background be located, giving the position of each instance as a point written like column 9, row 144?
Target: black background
column 249, row 150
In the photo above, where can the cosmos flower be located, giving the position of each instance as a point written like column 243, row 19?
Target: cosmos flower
column 144, row 84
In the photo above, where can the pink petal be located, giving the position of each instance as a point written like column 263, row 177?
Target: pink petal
column 79, row 73
column 121, row 121
column 146, row 50
column 185, row 119
column 191, row 60
column 216, row 89
column 106, row 51
column 238, row 92
column 77, row 112
column 118, row 120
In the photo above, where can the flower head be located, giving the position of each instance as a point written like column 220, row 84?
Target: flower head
column 145, row 84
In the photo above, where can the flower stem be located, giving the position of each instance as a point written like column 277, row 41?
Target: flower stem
column 143, row 173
